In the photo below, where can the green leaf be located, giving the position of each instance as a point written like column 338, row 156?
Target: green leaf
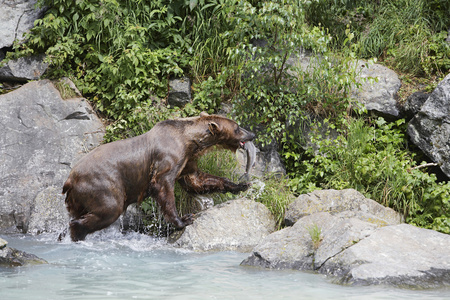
column 192, row 4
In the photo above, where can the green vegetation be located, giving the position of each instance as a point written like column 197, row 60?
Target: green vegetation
column 371, row 156
column 409, row 35
column 122, row 53
column 315, row 232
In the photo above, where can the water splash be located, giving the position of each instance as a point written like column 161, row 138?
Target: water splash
column 256, row 189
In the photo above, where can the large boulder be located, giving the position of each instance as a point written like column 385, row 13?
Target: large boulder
column 345, row 203
column 298, row 248
column 356, row 252
column 17, row 17
column 237, row 225
column 430, row 128
column 41, row 137
column 401, row 255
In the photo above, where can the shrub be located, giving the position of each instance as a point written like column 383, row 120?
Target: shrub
column 373, row 159
column 120, row 53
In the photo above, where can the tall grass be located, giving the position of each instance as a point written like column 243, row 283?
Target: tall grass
column 402, row 32
column 406, row 33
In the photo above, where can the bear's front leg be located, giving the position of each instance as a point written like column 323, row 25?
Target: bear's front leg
column 164, row 195
column 204, row 183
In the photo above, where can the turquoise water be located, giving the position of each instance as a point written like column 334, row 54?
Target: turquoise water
column 109, row 265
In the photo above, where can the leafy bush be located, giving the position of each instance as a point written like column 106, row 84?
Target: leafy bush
column 121, row 53
column 373, row 159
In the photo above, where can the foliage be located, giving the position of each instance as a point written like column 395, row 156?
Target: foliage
column 373, row 159
column 409, row 34
column 275, row 33
column 121, row 53
column 280, row 104
column 211, row 93
column 274, row 193
column 207, row 27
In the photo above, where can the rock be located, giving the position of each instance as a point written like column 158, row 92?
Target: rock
column 48, row 215
column 3, row 243
column 355, row 252
column 430, row 128
column 41, row 137
column 401, row 255
column 345, row 203
column 236, row 225
column 413, row 104
column 294, row 248
column 179, row 92
column 10, row 257
column 24, row 69
column 380, row 96
column 17, row 17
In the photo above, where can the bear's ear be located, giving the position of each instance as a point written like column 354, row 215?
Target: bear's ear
column 204, row 114
column 213, row 128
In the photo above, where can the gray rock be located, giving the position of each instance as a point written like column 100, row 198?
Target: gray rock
column 41, row 137
column 234, row 225
column 179, row 91
column 48, row 215
column 3, row 243
column 355, row 252
column 24, row 69
column 413, row 104
column 295, row 248
column 380, row 96
column 401, row 255
column 345, row 203
column 10, row 257
column 17, row 17
column 430, row 128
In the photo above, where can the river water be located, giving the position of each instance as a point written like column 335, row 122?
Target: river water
column 110, row 265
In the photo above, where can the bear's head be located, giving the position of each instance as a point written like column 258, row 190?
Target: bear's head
column 225, row 132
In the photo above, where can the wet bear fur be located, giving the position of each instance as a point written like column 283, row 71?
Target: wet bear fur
column 108, row 179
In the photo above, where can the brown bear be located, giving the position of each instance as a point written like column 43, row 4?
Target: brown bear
column 108, row 179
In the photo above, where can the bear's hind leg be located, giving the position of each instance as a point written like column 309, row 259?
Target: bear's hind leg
column 88, row 223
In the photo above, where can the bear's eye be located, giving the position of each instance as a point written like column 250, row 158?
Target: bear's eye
column 237, row 130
